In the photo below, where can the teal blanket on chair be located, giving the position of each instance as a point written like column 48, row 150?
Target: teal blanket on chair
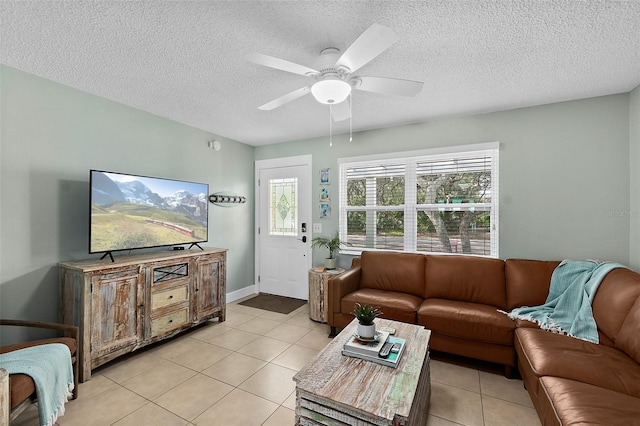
column 51, row 369
column 567, row 309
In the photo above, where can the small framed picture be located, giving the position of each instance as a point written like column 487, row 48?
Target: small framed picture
column 325, row 210
column 324, row 193
column 324, row 175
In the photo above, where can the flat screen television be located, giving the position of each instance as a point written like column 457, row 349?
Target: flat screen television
column 134, row 212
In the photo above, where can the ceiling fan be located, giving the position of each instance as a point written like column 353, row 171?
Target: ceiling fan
column 334, row 73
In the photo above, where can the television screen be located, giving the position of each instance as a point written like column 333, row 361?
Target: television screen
column 132, row 212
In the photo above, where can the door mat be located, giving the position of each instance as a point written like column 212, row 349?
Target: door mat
column 273, row 303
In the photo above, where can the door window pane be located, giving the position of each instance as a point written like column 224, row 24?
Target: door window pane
column 283, row 211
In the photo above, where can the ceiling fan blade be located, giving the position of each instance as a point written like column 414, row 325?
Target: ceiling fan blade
column 292, row 96
column 389, row 86
column 280, row 64
column 341, row 111
column 375, row 40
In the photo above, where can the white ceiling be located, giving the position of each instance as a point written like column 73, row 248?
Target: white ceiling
column 185, row 60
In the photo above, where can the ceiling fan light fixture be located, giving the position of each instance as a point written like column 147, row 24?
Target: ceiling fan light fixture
column 331, row 91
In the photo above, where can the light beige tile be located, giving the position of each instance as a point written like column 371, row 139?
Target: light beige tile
column 130, row 365
column 455, row 375
column 290, row 402
column 264, row 348
column 302, row 320
column 234, row 369
column 234, row 339
column 206, row 333
column 498, row 412
column 456, row 404
column 288, row 332
column 237, row 408
column 500, row 387
column 271, row 382
column 192, row 397
column 153, row 383
column 317, row 338
column 438, row 421
column 295, row 357
column 275, row 316
column 101, row 410
column 98, row 384
column 246, row 310
column 235, row 319
column 151, row 414
column 282, row 416
column 258, row 325
column 200, row 356
column 172, row 347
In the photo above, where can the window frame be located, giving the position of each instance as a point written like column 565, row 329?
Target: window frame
column 410, row 208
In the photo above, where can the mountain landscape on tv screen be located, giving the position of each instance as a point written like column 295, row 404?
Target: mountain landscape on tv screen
column 127, row 215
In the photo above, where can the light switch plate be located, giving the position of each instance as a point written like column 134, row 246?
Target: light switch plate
column 317, row 228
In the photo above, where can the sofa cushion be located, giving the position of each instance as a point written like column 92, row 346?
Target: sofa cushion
column 391, row 271
column 629, row 335
column 466, row 278
column 394, row 305
column 568, row 402
column 528, row 281
column 550, row 354
column 472, row 321
column 614, row 298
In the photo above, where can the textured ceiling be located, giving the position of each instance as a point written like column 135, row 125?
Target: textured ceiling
column 185, row 60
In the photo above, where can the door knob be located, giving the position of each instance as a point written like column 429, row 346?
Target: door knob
column 303, row 239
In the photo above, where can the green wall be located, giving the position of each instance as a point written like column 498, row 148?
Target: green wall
column 634, row 157
column 564, row 173
column 51, row 135
column 569, row 176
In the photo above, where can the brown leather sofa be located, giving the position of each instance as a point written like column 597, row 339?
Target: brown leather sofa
column 463, row 301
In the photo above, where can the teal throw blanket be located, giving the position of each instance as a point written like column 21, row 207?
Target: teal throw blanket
column 567, row 309
column 51, row 369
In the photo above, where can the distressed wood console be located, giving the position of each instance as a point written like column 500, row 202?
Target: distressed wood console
column 137, row 300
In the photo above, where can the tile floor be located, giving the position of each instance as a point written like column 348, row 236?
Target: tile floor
column 239, row 373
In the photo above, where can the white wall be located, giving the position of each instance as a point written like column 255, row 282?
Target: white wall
column 51, row 136
column 564, row 173
column 634, row 160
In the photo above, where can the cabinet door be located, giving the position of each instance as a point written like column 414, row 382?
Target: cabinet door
column 210, row 286
column 116, row 321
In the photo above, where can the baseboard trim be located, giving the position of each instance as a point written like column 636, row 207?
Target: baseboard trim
column 243, row 292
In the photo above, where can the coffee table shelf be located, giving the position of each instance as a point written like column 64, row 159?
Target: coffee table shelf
column 334, row 389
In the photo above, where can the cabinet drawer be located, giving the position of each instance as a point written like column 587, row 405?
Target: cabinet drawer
column 168, row 297
column 168, row 322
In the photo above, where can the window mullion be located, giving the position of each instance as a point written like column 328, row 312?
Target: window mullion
column 410, row 213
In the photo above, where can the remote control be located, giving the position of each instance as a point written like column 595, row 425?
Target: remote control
column 385, row 350
column 396, row 348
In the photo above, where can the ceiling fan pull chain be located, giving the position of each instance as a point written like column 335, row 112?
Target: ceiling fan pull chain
column 330, row 127
column 350, row 119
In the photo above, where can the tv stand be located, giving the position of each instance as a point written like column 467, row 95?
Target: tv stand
column 195, row 244
column 108, row 253
column 139, row 299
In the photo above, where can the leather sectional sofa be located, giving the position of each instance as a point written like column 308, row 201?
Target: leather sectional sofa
column 463, row 300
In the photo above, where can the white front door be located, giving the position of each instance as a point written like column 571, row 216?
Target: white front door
column 283, row 216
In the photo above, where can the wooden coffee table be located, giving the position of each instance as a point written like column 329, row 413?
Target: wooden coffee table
column 334, row 388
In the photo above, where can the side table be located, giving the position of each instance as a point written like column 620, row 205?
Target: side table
column 318, row 297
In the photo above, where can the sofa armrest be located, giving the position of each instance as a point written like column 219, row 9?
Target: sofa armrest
column 339, row 287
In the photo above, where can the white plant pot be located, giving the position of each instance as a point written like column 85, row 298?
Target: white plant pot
column 330, row 263
column 367, row 331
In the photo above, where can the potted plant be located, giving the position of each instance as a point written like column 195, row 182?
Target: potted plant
column 365, row 315
column 332, row 244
